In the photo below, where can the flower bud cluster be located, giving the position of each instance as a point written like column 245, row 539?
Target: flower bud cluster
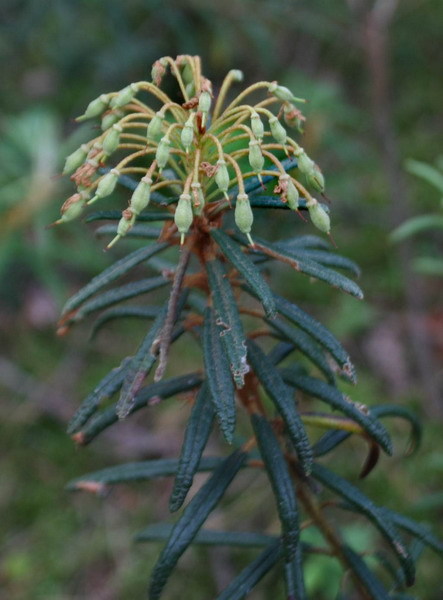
column 190, row 147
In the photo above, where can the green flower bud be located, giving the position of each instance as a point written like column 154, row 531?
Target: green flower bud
column 187, row 133
column 163, row 151
column 319, row 217
column 106, row 185
column 283, row 93
column 183, row 216
column 112, row 139
column 292, row 195
column 141, row 195
column 255, row 157
column 258, row 129
column 304, row 163
column 158, row 70
column 72, row 208
column 293, row 117
column 236, row 75
column 155, row 125
column 76, row 159
column 222, row 177
column 277, row 130
column 110, row 118
column 95, row 107
column 204, row 102
column 124, row 225
column 187, row 74
column 315, row 179
column 198, row 198
column 124, row 96
column 243, row 216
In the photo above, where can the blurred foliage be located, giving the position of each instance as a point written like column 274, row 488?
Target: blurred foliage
column 56, row 56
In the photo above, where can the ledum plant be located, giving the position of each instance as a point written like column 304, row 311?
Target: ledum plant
column 269, row 373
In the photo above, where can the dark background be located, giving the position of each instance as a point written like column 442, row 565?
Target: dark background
column 372, row 73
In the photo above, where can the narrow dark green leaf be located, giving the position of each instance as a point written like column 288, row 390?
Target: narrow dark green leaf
column 284, row 401
column 306, row 345
column 419, row 531
column 323, row 257
column 137, row 231
column 306, row 241
column 104, row 390
column 335, row 398
column 208, row 537
column 218, row 376
column 247, row 270
column 240, row 587
column 150, row 393
column 193, row 517
column 115, row 215
column 228, row 320
column 370, row 582
column 139, row 368
column 280, row 351
column 309, row 267
column 284, row 492
column 121, row 312
column 117, row 269
column 139, row 471
column 197, row 433
column 365, row 506
column 116, row 295
column 316, row 330
column 329, row 441
column 391, row 410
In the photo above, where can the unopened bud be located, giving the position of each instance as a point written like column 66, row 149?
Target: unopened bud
column 198, row 198
column 222, row 177
column 278, row 131
column 76, row 159
column 124, row 225
column 183, row 216
column 258, row 129
column 255, row 157
column 72, row 207
column 187, row 133
column 204, row 104
column 243, row 216
column 112, row 140
column 293, row 117
column 283, row 93
column 158, row 70
column 155, row 125
column 106, row 185
column 236, row 75
column 141, row 195
column 163, row 151
column 124, row 96
column 319, row 216
column 95, row 108
column 292, row 195
column 111, row 117
column 315, row 179
column 304, row 163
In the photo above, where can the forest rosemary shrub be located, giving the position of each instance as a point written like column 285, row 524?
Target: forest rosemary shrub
column 189, row 165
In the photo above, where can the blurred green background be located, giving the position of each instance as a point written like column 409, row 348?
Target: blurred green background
column 372, row 73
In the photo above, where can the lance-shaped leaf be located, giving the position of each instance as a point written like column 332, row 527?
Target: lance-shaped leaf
column 364, row 575
column 419, row 531
column 116, row 295
column 283, row 399
column 309, row 267
column 193, row 517
column 218, row 376
column 104, row 390
column 138, row 471
column 280, row 351
column 139, row 367
column 316, row 330
column 197, row 433
column 323, row 257
column 284, row 492
column 240, row 587
column 209, row 537
column 246, row 269
column 306, row 241
column 150, row 393
column 120, row 312
column 116, row 215
column 329, row 441
column 117, row 269
column 137, row 231
column 228, row 320
column 335, row 398
column 365, row 506
column 305, row 344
